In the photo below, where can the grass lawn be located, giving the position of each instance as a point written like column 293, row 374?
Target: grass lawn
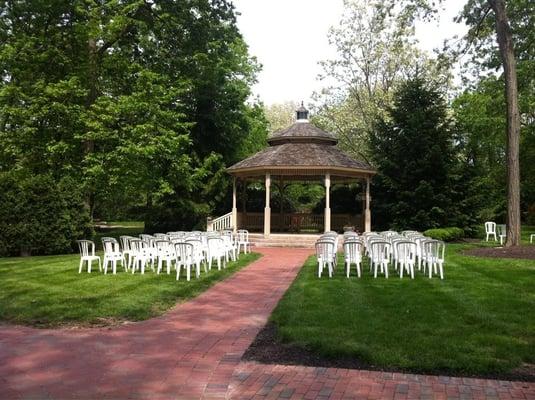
column 480, row 320
column 48, row 291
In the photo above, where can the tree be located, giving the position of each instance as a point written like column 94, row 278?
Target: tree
column 477, row 14
column 376, row 50
column 134, row 100
column 412, row 148
column 504, row 36
column 280, row 115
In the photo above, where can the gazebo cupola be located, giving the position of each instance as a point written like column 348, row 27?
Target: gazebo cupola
column 302, row 114
column 301, row 152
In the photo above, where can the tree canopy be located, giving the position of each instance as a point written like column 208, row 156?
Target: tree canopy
column 139, row 102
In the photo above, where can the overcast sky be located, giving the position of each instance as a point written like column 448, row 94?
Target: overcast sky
column 289, row 37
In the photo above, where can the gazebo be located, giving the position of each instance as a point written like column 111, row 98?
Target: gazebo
column 302, row 153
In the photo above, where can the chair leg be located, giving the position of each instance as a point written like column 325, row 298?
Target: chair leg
column 188, row 271
column 81, row 265
column 386, row 269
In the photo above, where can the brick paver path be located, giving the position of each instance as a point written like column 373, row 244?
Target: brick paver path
column 194, row 351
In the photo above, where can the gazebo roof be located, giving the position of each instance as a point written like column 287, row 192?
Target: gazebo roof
column 302, row 149
column 302, row 131
column 301, row 155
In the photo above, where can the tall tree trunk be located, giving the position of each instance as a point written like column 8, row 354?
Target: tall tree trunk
column 505, row 42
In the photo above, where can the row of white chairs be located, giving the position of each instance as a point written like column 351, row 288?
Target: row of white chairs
column 405, row 251
column 183, row 250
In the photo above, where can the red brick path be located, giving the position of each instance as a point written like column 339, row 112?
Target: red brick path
column 194, row 351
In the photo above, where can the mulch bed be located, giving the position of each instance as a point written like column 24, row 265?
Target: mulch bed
column 267, row 349
column 525, row 252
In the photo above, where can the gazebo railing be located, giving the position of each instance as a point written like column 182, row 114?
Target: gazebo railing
column 297, row 222
column 221, row 223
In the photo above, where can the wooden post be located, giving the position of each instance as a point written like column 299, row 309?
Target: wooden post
column 367, row 212
column 234, row 207
column 267, row 209
column 209, row 224
column 327, row 214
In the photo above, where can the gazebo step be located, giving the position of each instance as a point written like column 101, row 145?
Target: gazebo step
column 285, row 240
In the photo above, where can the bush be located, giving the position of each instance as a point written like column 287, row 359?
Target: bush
column 445, row 234
column 39, row 215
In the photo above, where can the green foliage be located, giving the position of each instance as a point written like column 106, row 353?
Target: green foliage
column 445, row 234
column 49, row 292
column 375, row 50
column 40, row 215
column 414, row 155
column 138, row 102
column 394, row 323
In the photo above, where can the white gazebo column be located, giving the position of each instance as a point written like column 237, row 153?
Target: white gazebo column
column 234, row 207
column 267, row 209
column 327, row 202
column 367, row 212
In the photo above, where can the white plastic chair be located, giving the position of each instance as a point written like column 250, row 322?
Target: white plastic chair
column 434, row 255
column 379, row 256
column 126, row 250
column 334, row 239
column 150, row 248
column 165, row 253
column 502, row 232
column 198, row 255
column 405, row 256
column 490, row 230
column 216, row 251
column 353, row 254
column 112, row 254
column 242, row 240
column 87, row 253
column 325, row 255
column 140, row 256
column 230, row 246
column 184, row 254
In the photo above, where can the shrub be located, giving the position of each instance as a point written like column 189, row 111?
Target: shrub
column 39, row 215
column 445, row 234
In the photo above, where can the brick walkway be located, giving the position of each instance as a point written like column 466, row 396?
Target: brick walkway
column 194, row 351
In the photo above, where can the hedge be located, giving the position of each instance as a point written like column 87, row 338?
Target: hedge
column 446, row 234
column 39, row 215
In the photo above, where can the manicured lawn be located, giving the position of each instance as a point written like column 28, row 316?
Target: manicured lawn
column 479, row 320
column 48, row 291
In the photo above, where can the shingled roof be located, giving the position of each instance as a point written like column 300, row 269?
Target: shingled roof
column 299, row 147
column 302, row 131
column 301, row 155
